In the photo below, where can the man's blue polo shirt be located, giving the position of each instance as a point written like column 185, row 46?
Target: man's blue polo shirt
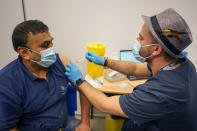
column 166, row 102
column 32, row 102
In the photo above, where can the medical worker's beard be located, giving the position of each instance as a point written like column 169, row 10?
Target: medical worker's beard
column 149, row 56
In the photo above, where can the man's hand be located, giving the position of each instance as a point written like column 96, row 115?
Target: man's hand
column 92, row 57
column 83, row 127
column 73, row 73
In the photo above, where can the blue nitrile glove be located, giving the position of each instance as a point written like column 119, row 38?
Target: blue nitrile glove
column 92, row 57
column 73, row 73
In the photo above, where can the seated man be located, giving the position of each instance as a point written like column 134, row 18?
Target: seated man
column 33, row 87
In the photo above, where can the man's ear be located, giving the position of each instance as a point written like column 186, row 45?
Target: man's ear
column 157, row 50
column 23, row 52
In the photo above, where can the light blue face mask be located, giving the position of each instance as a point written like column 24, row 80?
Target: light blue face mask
column 136, row 51
column 48, row 57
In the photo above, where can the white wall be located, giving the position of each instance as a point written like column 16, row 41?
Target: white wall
column 10, row 14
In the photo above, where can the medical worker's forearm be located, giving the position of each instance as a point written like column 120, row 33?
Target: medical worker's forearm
column 101, row 101
column 129, row 68
column 121, row 66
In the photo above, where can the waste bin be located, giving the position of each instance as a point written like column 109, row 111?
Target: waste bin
column 93, row 69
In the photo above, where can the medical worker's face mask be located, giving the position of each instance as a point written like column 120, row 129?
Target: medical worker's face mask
column 136, row 51
column 48, row 57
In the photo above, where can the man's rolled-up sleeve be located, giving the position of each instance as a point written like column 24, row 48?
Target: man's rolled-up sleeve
column 143, row 105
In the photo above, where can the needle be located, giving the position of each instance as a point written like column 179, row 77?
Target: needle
column 78, row 61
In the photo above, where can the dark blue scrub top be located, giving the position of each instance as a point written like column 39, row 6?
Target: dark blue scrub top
column 166, row 102
column 32, row 102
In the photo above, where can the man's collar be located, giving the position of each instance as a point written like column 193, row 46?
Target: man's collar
column 31, row 76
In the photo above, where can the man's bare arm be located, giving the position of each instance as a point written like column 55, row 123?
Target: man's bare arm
column 64, row 60
column 85, row 109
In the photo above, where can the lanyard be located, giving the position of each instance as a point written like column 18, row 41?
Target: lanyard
column 169, row 65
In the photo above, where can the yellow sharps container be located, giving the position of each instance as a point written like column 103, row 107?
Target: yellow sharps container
column 93, row 69
column 113, row 124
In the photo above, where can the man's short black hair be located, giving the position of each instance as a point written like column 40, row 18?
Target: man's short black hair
column 21, row 31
